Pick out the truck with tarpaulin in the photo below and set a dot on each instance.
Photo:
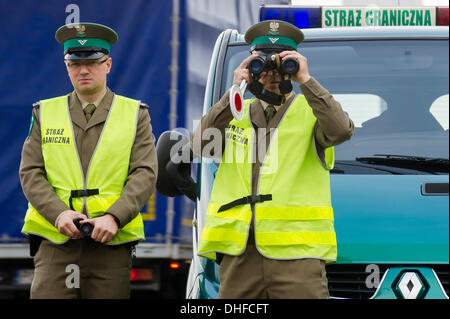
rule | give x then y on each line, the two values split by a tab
33	70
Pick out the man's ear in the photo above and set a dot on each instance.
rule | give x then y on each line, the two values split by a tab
109	65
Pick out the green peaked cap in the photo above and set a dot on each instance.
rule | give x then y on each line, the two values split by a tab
85	40
273	34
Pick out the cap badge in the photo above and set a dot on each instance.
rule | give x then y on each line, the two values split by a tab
82	42
80	30
273	40
274	28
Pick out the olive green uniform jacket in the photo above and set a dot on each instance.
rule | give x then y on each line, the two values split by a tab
250	275
142	174
333	126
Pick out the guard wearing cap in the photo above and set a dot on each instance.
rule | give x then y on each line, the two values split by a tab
269	221
89	160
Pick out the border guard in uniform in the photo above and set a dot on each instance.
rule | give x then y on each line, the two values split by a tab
89	160
269	220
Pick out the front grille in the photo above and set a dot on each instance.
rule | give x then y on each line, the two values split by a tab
442	272
349	280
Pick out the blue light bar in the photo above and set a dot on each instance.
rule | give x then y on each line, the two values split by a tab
301	17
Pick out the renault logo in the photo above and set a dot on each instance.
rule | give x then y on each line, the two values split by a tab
410	285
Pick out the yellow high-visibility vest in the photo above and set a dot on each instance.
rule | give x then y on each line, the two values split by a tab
107	172
293	214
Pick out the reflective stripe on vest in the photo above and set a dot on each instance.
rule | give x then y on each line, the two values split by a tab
298	221
107	171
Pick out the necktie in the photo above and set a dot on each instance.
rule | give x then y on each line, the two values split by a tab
269	112
88	111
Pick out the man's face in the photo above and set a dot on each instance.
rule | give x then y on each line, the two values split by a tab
89	76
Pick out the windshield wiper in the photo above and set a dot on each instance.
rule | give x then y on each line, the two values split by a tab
427	164
354	167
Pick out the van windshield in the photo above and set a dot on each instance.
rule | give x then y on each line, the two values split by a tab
395	91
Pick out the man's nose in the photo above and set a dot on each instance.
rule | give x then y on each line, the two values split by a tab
84	69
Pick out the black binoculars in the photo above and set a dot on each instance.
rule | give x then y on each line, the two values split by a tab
85	229
271	61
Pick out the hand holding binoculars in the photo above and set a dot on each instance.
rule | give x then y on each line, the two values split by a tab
265	61
272	61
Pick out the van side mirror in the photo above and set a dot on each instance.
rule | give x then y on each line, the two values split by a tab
174	166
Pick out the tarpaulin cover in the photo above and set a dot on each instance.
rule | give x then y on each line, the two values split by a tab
32	68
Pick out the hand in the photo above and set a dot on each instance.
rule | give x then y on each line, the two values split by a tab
66	226
302	75
105	228
242	73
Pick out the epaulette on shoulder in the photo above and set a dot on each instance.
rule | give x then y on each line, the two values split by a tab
36	104
143	105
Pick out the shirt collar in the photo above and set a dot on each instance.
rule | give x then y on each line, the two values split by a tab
265	104
96	102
